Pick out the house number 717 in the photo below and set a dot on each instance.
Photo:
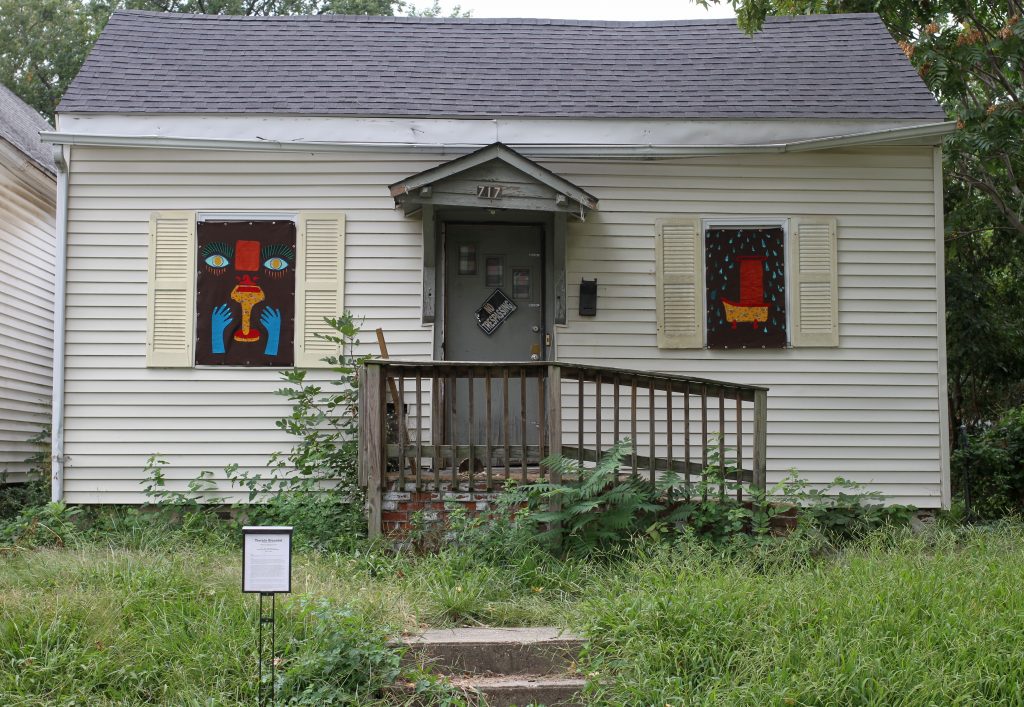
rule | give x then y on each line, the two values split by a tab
489	191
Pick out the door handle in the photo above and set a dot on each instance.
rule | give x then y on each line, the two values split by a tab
534	357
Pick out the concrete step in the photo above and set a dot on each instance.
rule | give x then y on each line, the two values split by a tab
494	651
512	690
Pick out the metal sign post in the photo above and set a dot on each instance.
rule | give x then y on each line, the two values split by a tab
267	571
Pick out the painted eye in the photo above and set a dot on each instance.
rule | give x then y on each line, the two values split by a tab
217	261
275	263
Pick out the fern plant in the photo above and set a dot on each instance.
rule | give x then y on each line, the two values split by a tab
598	511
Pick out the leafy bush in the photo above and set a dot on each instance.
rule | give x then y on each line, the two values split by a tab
314	487
35	491
989	471
598	511
340	659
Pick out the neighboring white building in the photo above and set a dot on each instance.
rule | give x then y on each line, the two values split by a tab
28	194
259	152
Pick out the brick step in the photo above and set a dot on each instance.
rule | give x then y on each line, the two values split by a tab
494	651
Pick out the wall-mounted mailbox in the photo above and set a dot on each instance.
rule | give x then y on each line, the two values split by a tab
588	298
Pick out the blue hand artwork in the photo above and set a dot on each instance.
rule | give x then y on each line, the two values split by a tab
220	320
270	318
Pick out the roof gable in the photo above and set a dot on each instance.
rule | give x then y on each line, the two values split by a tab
20	126
819	66
494	176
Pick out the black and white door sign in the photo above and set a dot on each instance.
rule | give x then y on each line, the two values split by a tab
494	312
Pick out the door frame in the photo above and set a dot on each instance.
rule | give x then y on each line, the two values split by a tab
488	217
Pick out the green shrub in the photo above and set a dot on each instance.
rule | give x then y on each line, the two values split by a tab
989	471
340	659
596	510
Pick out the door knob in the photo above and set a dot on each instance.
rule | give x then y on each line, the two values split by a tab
536	329
534	357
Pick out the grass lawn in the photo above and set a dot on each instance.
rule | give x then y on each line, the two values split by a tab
935	618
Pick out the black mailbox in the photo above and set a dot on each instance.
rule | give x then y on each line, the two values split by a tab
588	298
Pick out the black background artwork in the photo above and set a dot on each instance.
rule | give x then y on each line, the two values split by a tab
246	271
745	276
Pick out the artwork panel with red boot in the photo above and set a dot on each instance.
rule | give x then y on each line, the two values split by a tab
745	276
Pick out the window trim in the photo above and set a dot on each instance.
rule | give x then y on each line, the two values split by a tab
782	222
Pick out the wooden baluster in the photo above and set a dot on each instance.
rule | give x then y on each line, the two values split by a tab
522	419
400	416
436	427
686	437
739	446
579	416
652	430
721	442
453	429
505	417
632	423
542	424
471	468
615	424
597	414
704	439
487	421
668	430
419	430
760	439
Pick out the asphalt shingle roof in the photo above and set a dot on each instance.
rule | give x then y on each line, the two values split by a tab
823	66
20	126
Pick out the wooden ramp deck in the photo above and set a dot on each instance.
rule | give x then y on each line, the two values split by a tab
446	425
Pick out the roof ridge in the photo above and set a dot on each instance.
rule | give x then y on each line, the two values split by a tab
527	21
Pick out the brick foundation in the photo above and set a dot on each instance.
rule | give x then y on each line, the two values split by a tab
398	508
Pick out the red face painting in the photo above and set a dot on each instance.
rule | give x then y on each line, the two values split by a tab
245	295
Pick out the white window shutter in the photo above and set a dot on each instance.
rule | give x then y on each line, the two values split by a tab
815	282
320	285
679	282
170	331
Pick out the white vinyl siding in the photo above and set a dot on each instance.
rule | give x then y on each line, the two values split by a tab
26	326
866	410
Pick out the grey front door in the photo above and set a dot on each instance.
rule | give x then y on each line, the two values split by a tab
494	311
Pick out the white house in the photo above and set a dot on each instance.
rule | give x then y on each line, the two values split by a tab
762	211
28	194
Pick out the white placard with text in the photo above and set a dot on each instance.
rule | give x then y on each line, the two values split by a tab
267	559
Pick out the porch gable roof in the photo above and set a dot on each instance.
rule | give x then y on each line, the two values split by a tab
492	168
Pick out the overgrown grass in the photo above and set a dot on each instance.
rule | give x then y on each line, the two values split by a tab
129	616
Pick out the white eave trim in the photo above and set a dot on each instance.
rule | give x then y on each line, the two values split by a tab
928	134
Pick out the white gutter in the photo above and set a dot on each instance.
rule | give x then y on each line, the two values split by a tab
59	297
928	132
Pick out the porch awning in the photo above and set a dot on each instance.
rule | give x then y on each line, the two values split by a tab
493	177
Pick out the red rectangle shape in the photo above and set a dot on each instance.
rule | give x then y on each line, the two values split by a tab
247	256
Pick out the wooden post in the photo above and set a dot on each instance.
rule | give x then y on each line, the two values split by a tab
554	402
760	439
371	458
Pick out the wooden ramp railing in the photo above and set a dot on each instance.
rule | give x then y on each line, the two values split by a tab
464	426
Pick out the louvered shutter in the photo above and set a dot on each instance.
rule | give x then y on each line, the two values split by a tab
170	335
815	282
320	285
679	283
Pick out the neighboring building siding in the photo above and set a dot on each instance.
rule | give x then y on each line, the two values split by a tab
26	315
868	411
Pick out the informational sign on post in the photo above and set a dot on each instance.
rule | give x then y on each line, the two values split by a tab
267	559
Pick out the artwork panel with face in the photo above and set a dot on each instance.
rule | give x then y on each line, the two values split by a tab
745	271
245	293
